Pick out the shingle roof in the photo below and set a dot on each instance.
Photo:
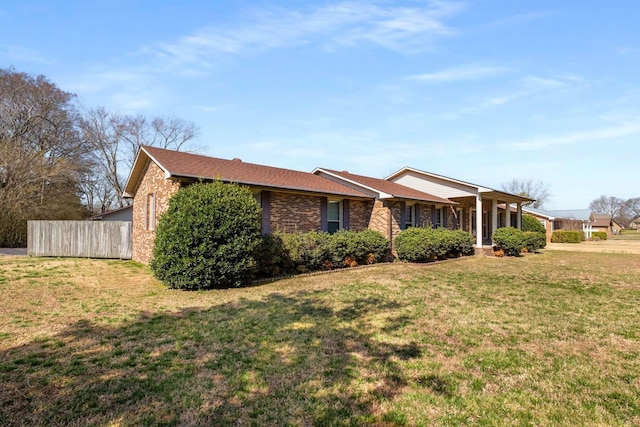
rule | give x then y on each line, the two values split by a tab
395	190
579	214
180	164
601	221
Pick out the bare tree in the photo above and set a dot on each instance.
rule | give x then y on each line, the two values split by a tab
40	153
116	140
606	205
171	133
629	211
537	190
632	207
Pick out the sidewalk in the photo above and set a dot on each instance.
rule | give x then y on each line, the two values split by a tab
13	251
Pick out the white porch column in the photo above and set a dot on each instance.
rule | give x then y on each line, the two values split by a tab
519	216
507	214
494	216
479	221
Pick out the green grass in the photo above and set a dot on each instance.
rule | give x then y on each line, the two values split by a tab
627	235
548	339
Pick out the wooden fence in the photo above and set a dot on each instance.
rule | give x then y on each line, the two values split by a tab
85	239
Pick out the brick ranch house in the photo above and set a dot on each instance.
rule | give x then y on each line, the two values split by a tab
324	200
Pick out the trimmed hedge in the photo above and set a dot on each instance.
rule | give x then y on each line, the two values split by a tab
510	240
531	223
418	244
206	238
534	240
602	235
567	236
288	253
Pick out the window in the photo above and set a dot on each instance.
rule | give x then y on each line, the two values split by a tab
485	225
151	211
459	217
438	218
410	216
334	216
258	197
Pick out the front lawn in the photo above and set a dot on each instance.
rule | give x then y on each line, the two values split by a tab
546	339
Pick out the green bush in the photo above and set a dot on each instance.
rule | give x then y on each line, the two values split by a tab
419	244
207	237
314	251
271	257
412	245
534	240
308	251
508	239
462	243
567	236
602	235
531	223
351	248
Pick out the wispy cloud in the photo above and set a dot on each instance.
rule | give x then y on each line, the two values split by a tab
23	54
467	72
332	26
524	88
600	134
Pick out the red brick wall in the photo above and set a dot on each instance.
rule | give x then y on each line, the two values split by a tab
153	181
379	219
395	211
293	212
360	213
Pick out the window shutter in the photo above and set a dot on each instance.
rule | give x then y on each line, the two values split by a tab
145	212
265	201
324	225
403	215
345	214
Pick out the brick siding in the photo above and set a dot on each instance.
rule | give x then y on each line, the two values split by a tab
293	212
153	181
360	213
379	219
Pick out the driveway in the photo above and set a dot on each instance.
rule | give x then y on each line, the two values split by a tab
620	246
13	251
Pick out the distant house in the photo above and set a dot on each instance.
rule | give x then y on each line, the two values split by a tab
586	221
121	214
605	223
545	218
635	224
323	200
571	219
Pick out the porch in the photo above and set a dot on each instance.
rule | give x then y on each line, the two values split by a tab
492	210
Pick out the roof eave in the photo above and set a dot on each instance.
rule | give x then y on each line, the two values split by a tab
272	186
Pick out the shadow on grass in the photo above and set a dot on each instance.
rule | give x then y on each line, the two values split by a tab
275	361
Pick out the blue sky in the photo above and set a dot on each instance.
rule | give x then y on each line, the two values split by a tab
481	91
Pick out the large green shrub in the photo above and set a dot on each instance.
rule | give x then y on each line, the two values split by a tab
534	240
418	244
412	245
206	237
351	248
271	257
462	243
508	239
314	251
308	251
531	223
567	236
601	235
